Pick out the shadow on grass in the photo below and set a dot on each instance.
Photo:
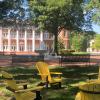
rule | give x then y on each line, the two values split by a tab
71	75
76	74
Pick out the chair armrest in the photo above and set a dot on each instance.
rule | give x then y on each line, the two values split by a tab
41	84
24	85
56	73
21	84
34	89
43	74
10	89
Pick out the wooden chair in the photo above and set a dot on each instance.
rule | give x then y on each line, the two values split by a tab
89	91
21	92
46	75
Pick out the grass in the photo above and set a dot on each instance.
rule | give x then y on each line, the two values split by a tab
81	53
72	76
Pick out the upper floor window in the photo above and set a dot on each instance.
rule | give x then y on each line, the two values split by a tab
21	35
13	35
37	35
5	30
5	34
29	35
46	35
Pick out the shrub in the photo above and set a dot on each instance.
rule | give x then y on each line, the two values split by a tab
66	51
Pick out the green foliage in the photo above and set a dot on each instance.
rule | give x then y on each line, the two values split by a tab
5	6
96	44
79	42
93	8
11	11
53	15
76	42
66	52
60	45
48	14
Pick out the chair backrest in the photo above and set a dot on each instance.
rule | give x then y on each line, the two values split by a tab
9	80
43	70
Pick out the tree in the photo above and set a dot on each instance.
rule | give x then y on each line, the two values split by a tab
76	42
5	6
11	11
96	44
53	15
79	41
60	45
92	7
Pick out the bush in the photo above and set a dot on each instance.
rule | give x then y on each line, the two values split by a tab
66	51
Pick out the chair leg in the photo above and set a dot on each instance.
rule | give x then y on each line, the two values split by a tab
59	84
38	96
56	85
47	82
25	86
13	98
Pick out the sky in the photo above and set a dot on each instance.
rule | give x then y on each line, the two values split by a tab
96	28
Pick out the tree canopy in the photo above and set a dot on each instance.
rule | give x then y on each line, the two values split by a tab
11	11
96	44
93	8
53	15
5	6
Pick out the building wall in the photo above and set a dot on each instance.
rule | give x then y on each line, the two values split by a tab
27	40
24	40
91	49
64	37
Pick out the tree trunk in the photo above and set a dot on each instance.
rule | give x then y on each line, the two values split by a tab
56	42
99	73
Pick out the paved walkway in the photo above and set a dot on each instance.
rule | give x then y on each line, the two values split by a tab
51	61
5	63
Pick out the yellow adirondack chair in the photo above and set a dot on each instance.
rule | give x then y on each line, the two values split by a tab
46	74
89	91
21	93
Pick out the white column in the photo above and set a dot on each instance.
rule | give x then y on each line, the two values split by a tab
53	43
41	36
9	39
1	39
17	40
33	40
42	45
25	40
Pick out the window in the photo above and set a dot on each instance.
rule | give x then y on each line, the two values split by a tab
21	47
29	35
13	35
46	35
37	35
29	47
5	34
13	48
21	35
5	47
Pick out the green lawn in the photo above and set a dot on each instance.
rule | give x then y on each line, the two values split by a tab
72	76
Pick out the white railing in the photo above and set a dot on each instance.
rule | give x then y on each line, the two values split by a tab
13	36
48	38
37	36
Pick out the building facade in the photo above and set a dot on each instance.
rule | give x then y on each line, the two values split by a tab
64	38
26	40
91	49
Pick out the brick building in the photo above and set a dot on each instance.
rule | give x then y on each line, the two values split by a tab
27	40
